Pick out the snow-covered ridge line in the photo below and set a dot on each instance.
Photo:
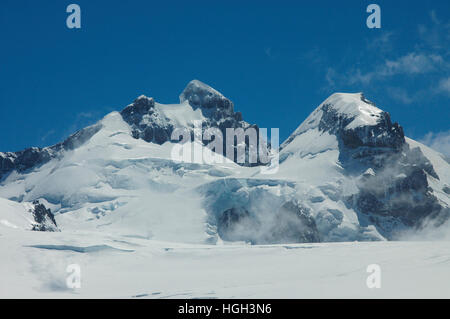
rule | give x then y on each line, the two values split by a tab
29	158
347	173
355	120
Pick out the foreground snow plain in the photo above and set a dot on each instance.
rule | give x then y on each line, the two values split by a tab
34	266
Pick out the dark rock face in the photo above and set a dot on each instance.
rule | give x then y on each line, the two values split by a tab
32	157
77	139
152	126
399	190
395	196
446	190
199	94
146	122
398	195
45	220
23	160
292	223
384	134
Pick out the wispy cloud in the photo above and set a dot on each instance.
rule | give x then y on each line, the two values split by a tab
383	42
438	141
434	17
84	115
47	135
401	95
413	63
444	85
330	77
268	52
428	59
435	35
81	120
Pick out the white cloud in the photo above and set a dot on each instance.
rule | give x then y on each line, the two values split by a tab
444	85
412	63
427	59
438	141
356	76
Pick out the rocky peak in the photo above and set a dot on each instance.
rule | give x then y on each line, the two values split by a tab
134	112
393	179
154	122
356	121
199	94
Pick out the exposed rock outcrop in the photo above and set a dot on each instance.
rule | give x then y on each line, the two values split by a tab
45	220
151	124
392	178
24	160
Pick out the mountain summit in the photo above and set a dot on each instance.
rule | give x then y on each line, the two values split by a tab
385	178
356	120
199	94
347	173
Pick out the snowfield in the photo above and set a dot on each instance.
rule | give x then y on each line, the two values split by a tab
141	224
34	266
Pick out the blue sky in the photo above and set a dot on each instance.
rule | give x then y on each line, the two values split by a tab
277	60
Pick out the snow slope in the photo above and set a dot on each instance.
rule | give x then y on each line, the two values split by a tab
15	215
142	224
351	105
117	183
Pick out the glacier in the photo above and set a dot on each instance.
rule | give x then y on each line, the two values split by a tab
347	174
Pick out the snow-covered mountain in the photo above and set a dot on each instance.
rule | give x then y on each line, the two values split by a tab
347	173
363	166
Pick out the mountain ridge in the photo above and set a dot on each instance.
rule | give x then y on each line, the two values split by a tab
346	173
